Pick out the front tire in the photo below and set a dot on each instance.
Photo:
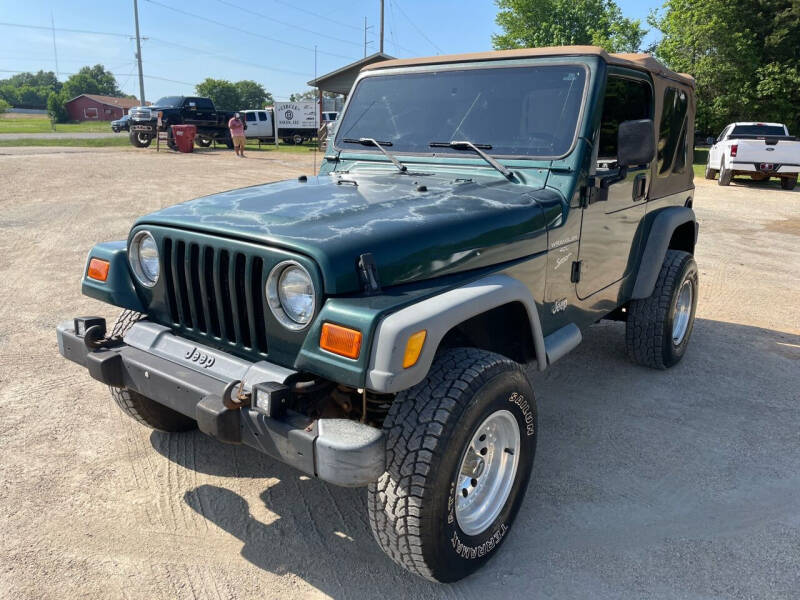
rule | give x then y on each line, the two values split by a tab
460	448
710	173
658	328
203	142
139	140
138	407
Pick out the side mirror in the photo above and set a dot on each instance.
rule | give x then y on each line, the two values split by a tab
636	144
711	141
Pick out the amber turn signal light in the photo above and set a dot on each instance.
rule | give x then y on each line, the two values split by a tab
340	340
98	269
414	348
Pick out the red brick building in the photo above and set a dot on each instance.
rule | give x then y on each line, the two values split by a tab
91	107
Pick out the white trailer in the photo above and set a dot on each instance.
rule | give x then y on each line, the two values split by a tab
291	122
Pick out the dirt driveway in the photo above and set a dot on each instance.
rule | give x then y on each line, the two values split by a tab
683	483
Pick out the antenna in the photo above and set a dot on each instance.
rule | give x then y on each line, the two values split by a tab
381	26
365	36
55	50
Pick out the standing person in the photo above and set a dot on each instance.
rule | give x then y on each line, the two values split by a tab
236	125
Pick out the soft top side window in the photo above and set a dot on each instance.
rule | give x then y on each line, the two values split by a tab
626	99
672	149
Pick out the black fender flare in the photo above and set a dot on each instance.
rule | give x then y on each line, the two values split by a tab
666	221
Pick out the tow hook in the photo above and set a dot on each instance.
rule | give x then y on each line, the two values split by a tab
233	398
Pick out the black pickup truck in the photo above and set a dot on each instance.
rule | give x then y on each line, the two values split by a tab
212	124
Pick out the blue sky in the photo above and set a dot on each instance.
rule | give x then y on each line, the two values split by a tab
269	41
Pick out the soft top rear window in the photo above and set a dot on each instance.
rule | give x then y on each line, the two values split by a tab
511	111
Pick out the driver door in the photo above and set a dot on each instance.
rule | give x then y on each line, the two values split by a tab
608	228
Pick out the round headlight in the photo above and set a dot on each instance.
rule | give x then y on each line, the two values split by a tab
290	294
143	257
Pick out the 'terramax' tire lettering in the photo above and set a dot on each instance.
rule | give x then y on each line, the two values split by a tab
471	552
520	401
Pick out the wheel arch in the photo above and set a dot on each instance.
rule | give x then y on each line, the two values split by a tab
454	315
674	227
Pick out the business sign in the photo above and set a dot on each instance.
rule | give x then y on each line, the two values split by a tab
296	115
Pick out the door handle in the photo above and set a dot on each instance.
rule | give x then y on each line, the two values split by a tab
639	187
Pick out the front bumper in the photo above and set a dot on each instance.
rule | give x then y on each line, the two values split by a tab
191	379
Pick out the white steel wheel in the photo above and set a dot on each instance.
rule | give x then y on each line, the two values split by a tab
487	472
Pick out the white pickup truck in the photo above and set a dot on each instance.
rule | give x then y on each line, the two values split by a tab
760	150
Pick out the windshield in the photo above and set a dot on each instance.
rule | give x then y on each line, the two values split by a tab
758	130
513	111
170	101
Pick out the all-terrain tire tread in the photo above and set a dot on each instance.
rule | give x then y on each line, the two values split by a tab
138	407
415	431
644	330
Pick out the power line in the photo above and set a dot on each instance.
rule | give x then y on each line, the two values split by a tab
315	14
300	27
227	58
125	35
414	25
239	29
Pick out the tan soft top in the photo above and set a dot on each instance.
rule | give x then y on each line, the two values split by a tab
643	62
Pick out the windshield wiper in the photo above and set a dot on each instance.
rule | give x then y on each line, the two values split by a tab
477	149
365	141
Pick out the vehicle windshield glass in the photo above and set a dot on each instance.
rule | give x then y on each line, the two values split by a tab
516	111
758	130
170	101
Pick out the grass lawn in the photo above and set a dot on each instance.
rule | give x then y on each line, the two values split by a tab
79	143
700	160
39	124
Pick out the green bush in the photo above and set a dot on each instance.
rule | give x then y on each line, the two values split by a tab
56	107
4	106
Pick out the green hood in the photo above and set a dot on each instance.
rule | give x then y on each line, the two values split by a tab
413	234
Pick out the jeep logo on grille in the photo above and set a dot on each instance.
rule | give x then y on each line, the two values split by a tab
201	358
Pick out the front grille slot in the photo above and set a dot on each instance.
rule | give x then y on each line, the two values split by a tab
216	293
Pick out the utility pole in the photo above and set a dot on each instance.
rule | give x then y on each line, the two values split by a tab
139	52
381	26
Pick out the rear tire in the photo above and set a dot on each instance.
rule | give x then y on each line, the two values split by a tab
658	328
725	175
203	142
139	140
788	183
229	142
138	407
297	139
439	458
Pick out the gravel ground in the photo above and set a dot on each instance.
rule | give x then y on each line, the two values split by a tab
647	484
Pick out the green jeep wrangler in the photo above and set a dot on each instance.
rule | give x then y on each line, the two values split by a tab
375	325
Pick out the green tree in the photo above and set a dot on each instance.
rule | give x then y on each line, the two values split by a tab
56	108
743	54
537	23
307	96
222	92
92	80
29	90
4	106
252	95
